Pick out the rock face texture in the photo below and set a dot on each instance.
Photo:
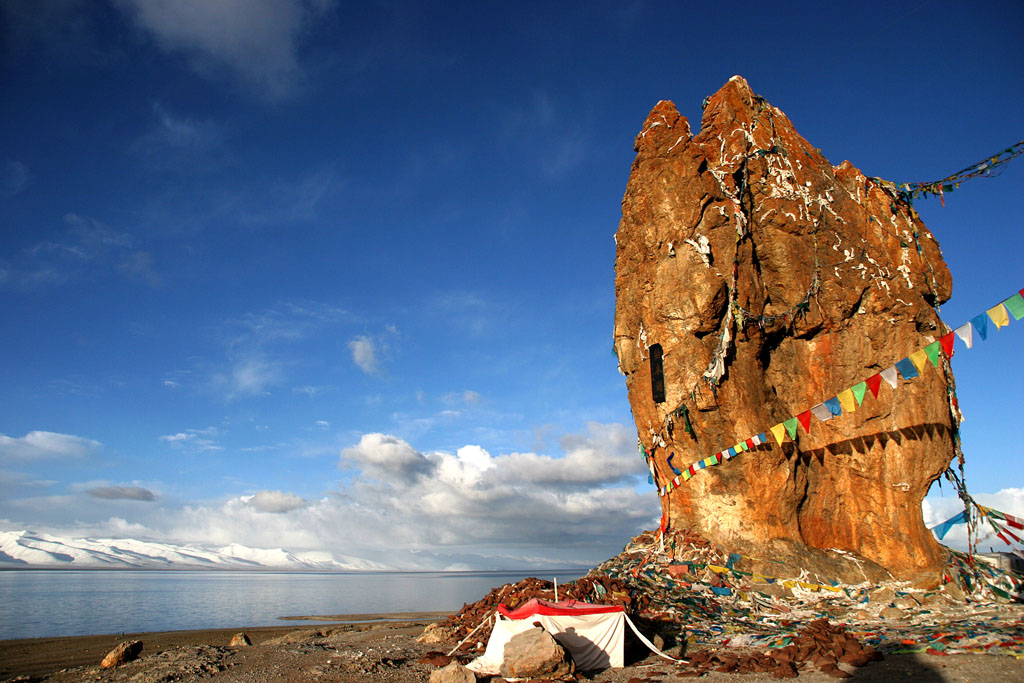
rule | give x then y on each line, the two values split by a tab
762	281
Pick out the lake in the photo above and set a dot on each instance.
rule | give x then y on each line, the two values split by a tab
39	603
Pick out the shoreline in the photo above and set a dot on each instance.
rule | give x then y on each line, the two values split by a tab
47	655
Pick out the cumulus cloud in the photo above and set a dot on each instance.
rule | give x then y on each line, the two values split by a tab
364	354
122	493
274	501
39	444
387	458
255	40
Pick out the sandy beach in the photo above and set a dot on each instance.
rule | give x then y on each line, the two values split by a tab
368	649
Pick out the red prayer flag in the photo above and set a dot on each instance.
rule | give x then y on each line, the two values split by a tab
947	344
750	443
805	420
1014	522
873	382
1004	539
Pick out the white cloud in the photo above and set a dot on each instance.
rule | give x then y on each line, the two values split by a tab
274	501
387	458
201	440
364	354
122	493
256	40
39	444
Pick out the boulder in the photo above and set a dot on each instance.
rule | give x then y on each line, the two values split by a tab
435	633
240	640
122	654
535	654
754	280
453	673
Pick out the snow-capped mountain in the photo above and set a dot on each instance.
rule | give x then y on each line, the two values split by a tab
29	549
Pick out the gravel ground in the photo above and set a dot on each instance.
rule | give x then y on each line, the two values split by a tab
378	651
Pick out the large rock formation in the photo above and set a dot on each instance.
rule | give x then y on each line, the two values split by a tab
769	281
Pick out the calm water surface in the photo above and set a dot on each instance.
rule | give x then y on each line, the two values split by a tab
67	603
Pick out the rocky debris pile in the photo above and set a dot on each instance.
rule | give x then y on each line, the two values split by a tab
240	640
819	644
697	595
594	588
122	654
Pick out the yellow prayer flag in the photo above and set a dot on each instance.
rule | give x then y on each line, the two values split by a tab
716	569
999	315
919	358
847	401
779	432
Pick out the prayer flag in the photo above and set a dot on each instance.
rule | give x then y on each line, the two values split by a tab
686	475
750	443
873	382
906	368
790	426
834	407
779	432
1014	522
859	390
741	446
998	315
919	358
980	323
964	332
805	420
932	351
692	469
889	375
718	458
1004	539
822	412
946	341
762	437
847	401
941	529
1015	304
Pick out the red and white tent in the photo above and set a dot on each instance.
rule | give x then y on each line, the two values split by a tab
593	635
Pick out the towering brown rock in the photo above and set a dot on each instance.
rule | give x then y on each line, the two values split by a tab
770	281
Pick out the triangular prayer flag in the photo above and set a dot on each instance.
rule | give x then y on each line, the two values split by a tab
718	458
1015	304
889	375
822	412
873	382
859	390
932	351
941	529
847	401
998	315
834	407
919	358
779	432
980	323
964	332
805	420
906	368
946	341
790	426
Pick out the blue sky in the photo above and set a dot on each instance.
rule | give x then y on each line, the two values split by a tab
339	275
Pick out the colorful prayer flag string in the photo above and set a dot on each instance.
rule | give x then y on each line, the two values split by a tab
848	400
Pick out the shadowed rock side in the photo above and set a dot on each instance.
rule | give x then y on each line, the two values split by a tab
771	281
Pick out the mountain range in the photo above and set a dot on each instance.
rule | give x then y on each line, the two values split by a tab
28	549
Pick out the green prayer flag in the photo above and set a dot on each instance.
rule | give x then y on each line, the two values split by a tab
933	350
1015	305
791	427
859	390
